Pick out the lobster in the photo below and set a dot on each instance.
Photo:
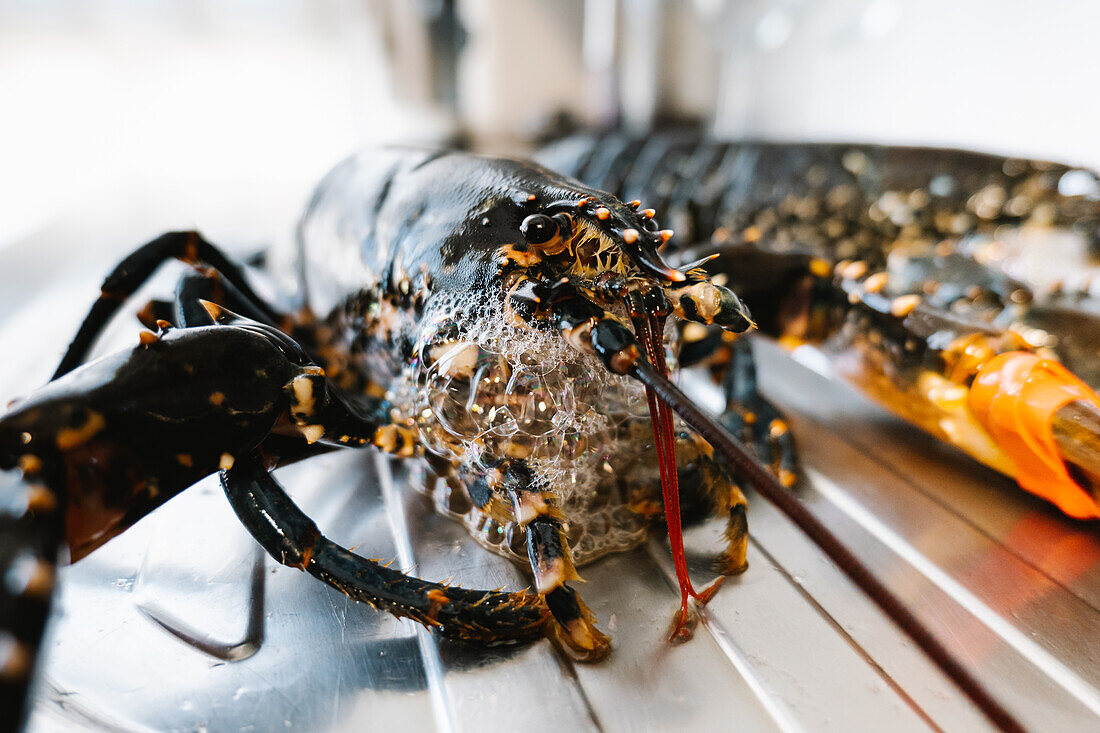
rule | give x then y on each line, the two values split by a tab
908	266
446	245
506	322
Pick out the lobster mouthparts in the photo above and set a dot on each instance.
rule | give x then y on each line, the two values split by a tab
649	329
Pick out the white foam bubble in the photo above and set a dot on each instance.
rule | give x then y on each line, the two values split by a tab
530	394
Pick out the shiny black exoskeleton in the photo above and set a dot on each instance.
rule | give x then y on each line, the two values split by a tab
406	260
225	381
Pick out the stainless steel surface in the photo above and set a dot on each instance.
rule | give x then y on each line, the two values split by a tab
181	624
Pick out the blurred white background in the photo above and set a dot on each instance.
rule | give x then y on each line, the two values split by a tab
994	75
222	113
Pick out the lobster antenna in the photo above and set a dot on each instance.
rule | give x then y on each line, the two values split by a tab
740	458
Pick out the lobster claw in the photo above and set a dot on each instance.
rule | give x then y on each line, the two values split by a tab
125	433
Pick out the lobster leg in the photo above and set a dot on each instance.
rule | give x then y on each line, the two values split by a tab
133	271
552	565
293	539
755	420
548	552
710	487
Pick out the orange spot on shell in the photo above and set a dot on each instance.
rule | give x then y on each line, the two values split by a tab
41	499
1015	396
68	438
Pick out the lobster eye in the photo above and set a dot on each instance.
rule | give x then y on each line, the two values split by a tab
538	229
650	225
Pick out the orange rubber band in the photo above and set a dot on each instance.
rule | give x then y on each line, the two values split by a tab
1015	396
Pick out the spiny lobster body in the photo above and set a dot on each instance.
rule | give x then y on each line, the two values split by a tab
509	324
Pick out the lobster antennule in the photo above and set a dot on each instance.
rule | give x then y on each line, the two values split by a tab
748	466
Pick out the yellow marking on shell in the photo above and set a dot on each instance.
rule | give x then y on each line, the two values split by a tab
185	459
854	270
213	309
455	358
778	428
875	283
706	297
68	438
226	461
528	505
694	332
820	268
517	449
40	499
396	440
302	392
312	433
550	576
216	398
580	336
904	305
584	634
30	464
532	256
622	360
438	599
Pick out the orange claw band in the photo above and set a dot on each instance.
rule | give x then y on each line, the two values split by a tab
1015	396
